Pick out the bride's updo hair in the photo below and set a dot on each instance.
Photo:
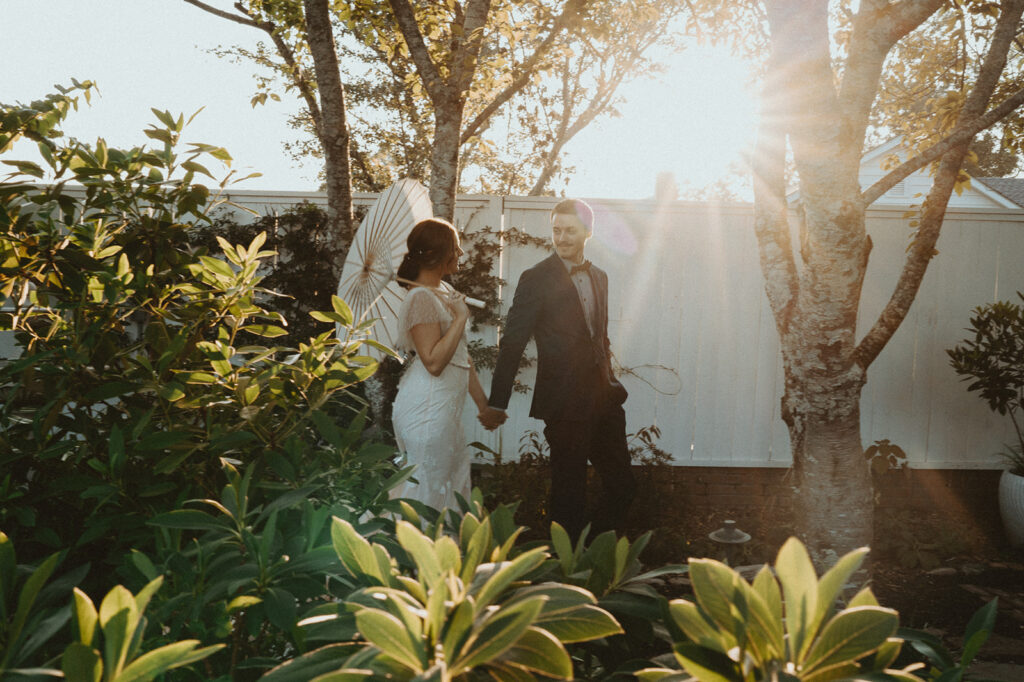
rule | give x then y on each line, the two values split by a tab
430	243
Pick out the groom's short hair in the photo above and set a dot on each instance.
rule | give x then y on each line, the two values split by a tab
578	208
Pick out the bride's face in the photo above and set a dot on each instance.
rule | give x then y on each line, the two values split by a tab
453	261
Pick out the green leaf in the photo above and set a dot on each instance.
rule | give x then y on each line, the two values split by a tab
540	651
563	549
850	635
158	661
144	565
688	617
342	309
85	617
498	577
242	602
421	550
108	391
171	391
189	519
706	665
269	331
581	624
161	440
355	552
27	597
118	629
389	635
800	591
81	663
279	605
324	660
457	630
833	582
978	630
217	266
198	377
115	450
715	589
321	316
496	634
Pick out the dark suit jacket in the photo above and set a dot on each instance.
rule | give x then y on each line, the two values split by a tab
574	377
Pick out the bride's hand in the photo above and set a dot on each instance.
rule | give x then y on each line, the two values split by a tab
457	303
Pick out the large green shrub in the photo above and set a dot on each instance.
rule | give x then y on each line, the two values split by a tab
144	361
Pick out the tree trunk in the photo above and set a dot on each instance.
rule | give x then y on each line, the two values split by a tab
815	302
333	129
444	157
834	498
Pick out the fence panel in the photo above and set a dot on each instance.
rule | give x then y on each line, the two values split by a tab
692	330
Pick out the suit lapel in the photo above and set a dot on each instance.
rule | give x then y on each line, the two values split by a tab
601	299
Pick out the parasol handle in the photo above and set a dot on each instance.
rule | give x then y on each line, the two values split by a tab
474	302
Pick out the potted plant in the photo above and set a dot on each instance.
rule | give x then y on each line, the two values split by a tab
994	360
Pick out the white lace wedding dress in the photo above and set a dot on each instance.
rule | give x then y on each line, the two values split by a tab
427	413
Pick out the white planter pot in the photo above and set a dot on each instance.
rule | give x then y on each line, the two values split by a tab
1011	507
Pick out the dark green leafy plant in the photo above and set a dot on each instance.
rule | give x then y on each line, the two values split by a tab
469	609
109	640
944	665
883	455
26	625
785	625
610	568
142	362
994	363
247	573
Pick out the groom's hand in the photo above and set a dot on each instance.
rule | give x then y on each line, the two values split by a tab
492	417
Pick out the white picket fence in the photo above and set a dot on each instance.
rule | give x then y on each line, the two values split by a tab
691	328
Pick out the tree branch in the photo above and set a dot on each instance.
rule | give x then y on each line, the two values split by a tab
571	9
295	72
466	47
243	20
957	137
771	221
437	87
876	29
934	209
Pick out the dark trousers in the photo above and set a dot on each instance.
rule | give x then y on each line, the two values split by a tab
601	440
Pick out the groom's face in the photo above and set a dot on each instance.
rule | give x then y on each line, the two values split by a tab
569	236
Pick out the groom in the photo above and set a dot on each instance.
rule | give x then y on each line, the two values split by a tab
562	302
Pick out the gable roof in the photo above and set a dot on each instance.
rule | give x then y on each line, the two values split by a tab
1010	188
980	194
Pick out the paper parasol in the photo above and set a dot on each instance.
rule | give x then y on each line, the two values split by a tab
367	281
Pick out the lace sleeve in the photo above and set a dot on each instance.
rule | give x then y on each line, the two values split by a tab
419	307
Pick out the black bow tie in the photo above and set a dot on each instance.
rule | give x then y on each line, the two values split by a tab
582	267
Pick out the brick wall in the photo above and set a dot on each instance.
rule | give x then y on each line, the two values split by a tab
684	504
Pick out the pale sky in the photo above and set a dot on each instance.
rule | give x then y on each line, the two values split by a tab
155	53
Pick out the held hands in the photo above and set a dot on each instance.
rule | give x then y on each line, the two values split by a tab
492	417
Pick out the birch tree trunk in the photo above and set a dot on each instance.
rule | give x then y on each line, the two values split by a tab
444	156
814	288
332	125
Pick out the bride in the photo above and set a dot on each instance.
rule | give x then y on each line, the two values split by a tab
427	413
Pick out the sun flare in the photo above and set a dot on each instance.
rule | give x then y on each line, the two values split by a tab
697	120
